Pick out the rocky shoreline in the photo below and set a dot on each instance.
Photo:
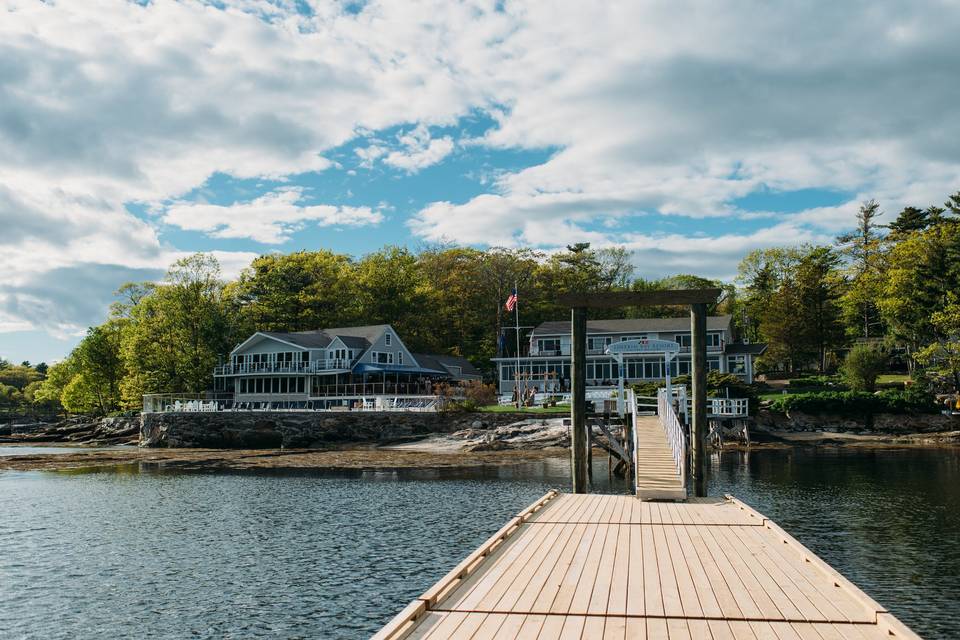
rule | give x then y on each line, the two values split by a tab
456	440
80	430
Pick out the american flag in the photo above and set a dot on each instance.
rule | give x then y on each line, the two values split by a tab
512	301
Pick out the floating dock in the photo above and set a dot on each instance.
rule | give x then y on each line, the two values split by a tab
615	567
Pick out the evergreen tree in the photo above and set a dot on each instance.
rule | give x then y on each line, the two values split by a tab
863	251
910	219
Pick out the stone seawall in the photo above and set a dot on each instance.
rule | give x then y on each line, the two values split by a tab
883	423
307	429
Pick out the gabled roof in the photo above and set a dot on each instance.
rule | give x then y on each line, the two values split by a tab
632	325
369	332
354	342
442	362
305	339
353	337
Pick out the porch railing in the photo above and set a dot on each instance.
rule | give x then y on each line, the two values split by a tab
384	388
204	403
313	366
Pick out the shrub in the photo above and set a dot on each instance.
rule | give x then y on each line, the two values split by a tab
475	395
857	403
862	366
822	381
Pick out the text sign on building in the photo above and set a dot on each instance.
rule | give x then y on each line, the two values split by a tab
642	346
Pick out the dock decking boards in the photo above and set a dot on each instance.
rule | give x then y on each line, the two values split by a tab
657	476
605	566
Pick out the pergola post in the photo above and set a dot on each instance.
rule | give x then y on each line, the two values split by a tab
578	399
698	425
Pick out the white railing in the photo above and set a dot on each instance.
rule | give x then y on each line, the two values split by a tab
631	404
729	407
313	366
203	403
674	432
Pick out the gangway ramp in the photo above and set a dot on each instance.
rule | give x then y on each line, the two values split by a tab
657	475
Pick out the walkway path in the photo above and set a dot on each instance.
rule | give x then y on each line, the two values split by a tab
657	475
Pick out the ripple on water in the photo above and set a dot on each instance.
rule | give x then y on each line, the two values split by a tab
160	555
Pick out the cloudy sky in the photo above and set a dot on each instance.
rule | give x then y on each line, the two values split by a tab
691	132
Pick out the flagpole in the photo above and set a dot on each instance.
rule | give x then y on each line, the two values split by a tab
516	308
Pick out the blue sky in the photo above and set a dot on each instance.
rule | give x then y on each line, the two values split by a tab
134	133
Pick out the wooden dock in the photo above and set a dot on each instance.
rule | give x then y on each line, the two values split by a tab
615	567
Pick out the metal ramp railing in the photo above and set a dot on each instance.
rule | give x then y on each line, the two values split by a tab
674	431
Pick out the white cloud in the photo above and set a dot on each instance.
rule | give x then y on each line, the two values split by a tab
270	219
419	150
664	107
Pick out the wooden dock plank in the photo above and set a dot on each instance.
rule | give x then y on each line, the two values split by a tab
615	568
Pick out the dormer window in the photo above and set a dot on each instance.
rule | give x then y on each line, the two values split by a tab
387	338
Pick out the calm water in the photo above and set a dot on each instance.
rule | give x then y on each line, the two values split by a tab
155	555
33	451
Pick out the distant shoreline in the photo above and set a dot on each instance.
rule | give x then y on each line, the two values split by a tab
354	458
419	456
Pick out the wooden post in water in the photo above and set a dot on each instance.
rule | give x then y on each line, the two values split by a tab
698	424
578	400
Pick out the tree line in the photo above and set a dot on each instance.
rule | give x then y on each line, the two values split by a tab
893	287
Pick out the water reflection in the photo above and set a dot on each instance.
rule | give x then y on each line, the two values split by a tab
142	552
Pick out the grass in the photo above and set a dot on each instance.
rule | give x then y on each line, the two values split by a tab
770	396
893	378
495	408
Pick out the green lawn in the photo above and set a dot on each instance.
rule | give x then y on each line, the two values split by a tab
495	408
893	378
771	396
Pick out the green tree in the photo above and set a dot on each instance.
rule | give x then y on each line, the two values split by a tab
865	268
862	366
909	220
942	356
760	276
501	270
58	377
819	287
924	269
19	376
391	290
301	291
101	368
175	333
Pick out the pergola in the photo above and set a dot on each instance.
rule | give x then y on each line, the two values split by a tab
697	301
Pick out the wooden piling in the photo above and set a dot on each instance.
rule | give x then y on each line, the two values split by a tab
699	429
578	400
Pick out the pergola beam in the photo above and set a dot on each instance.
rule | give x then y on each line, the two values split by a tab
697	300
613	299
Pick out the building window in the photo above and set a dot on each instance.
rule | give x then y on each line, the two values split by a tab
737	364
713	340
598	343
383	357
399	357
386	338
549	344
